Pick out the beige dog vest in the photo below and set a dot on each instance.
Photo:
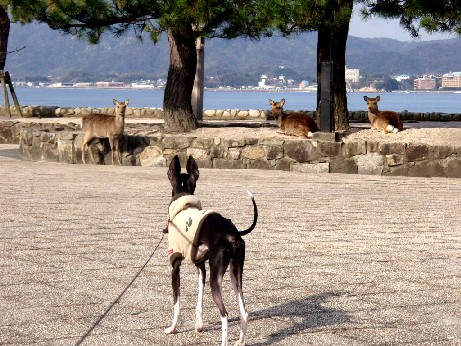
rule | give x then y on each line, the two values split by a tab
185	220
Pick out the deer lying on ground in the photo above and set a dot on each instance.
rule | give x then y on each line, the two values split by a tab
294	124
105	126
384	121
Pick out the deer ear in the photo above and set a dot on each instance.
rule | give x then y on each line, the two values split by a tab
282	102
127	101
271	102
115	101
174	170
192	168
378	98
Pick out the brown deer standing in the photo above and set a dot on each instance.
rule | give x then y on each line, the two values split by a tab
105	126
384	121
294	124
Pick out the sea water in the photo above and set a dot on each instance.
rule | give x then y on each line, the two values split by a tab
444	102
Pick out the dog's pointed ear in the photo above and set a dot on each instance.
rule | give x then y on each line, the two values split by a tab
192	168
174	171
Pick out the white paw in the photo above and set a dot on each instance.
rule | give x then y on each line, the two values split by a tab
199	327
171	330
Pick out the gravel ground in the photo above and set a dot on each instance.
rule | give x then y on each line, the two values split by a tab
446	134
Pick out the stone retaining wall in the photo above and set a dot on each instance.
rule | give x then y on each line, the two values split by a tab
63	144
227	114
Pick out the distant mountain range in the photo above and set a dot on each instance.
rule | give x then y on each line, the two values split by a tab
63	57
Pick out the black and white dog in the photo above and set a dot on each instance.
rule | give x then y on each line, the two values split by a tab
207	235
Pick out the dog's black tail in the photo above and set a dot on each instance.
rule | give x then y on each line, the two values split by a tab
255	217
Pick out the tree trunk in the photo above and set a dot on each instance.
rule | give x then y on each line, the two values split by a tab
4	33
177	106
331	45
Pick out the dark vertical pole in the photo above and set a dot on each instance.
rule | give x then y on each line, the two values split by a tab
13	93
326	114
5	94
197	91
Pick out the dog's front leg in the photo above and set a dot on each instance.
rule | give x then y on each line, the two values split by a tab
201	273
175	281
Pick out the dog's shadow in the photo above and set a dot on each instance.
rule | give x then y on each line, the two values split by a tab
303	314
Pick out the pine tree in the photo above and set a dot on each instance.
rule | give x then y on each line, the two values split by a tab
182	20
330	18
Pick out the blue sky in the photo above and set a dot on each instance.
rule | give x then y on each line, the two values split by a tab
388	28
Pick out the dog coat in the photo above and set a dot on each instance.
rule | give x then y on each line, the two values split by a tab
185	220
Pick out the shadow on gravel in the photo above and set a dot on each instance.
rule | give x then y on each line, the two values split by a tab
304	315
11	153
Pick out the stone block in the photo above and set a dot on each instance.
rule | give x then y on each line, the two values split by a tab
228	164
253	113
234	153
50	152
371	164
301	150
253	153
453	168
391	148
251	141
259	164
66	151
355	148
426	169
326	136
197	153
401	170
205	162
242	114
203	142
271	141
340	165
416	152
177	142
209	113
394	160
65	135
48	137
152	156
441	151
283	164
330	148
458	151
323	167
229	143
216	151
372	146
273	152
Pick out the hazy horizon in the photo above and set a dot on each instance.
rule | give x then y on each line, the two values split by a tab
378	28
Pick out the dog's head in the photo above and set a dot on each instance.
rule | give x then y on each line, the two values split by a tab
183	182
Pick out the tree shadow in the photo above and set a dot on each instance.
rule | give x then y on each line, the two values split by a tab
304	314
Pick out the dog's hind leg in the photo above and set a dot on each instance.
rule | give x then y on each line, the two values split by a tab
236	273
175	281
201	273
218	265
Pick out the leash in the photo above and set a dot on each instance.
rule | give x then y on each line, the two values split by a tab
120	295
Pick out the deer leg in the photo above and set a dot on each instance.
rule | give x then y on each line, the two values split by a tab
117	149
85	142
111	142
